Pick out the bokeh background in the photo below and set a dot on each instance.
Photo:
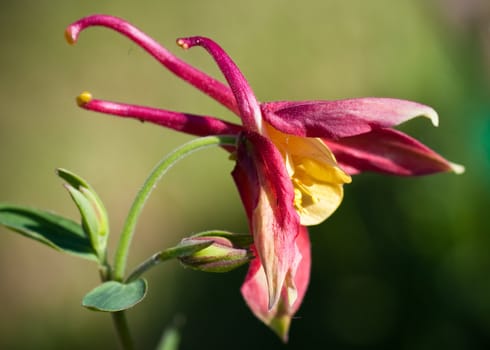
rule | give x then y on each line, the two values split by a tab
403	264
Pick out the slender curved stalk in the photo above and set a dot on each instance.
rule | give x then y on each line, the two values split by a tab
167	254
150	183
153	260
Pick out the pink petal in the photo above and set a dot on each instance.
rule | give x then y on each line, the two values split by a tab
254	289
342	118
388	151
267	193
301	271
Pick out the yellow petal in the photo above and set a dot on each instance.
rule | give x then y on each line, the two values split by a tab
317	179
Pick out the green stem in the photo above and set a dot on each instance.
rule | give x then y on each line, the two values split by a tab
164	255
121	324
153	260
150	183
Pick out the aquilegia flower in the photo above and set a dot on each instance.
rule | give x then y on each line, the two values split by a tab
292	159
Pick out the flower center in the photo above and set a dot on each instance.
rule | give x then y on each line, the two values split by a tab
303	196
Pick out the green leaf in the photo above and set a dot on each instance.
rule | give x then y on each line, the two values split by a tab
73	179
89	218
51	229
91	207
113	296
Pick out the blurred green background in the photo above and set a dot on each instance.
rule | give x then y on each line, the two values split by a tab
403	264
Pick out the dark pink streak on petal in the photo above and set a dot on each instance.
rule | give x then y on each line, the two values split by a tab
273	174
341	118
195	77
247	103
387	151
268	196
187	123
246	179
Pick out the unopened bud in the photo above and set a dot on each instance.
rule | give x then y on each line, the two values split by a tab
221	256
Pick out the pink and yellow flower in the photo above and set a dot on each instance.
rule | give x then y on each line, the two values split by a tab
292	160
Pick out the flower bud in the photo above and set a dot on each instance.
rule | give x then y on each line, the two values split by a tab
220	256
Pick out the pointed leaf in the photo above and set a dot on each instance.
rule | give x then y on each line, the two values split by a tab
88	191
115	296
73	179
101	220
92	210
89	219
53	230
